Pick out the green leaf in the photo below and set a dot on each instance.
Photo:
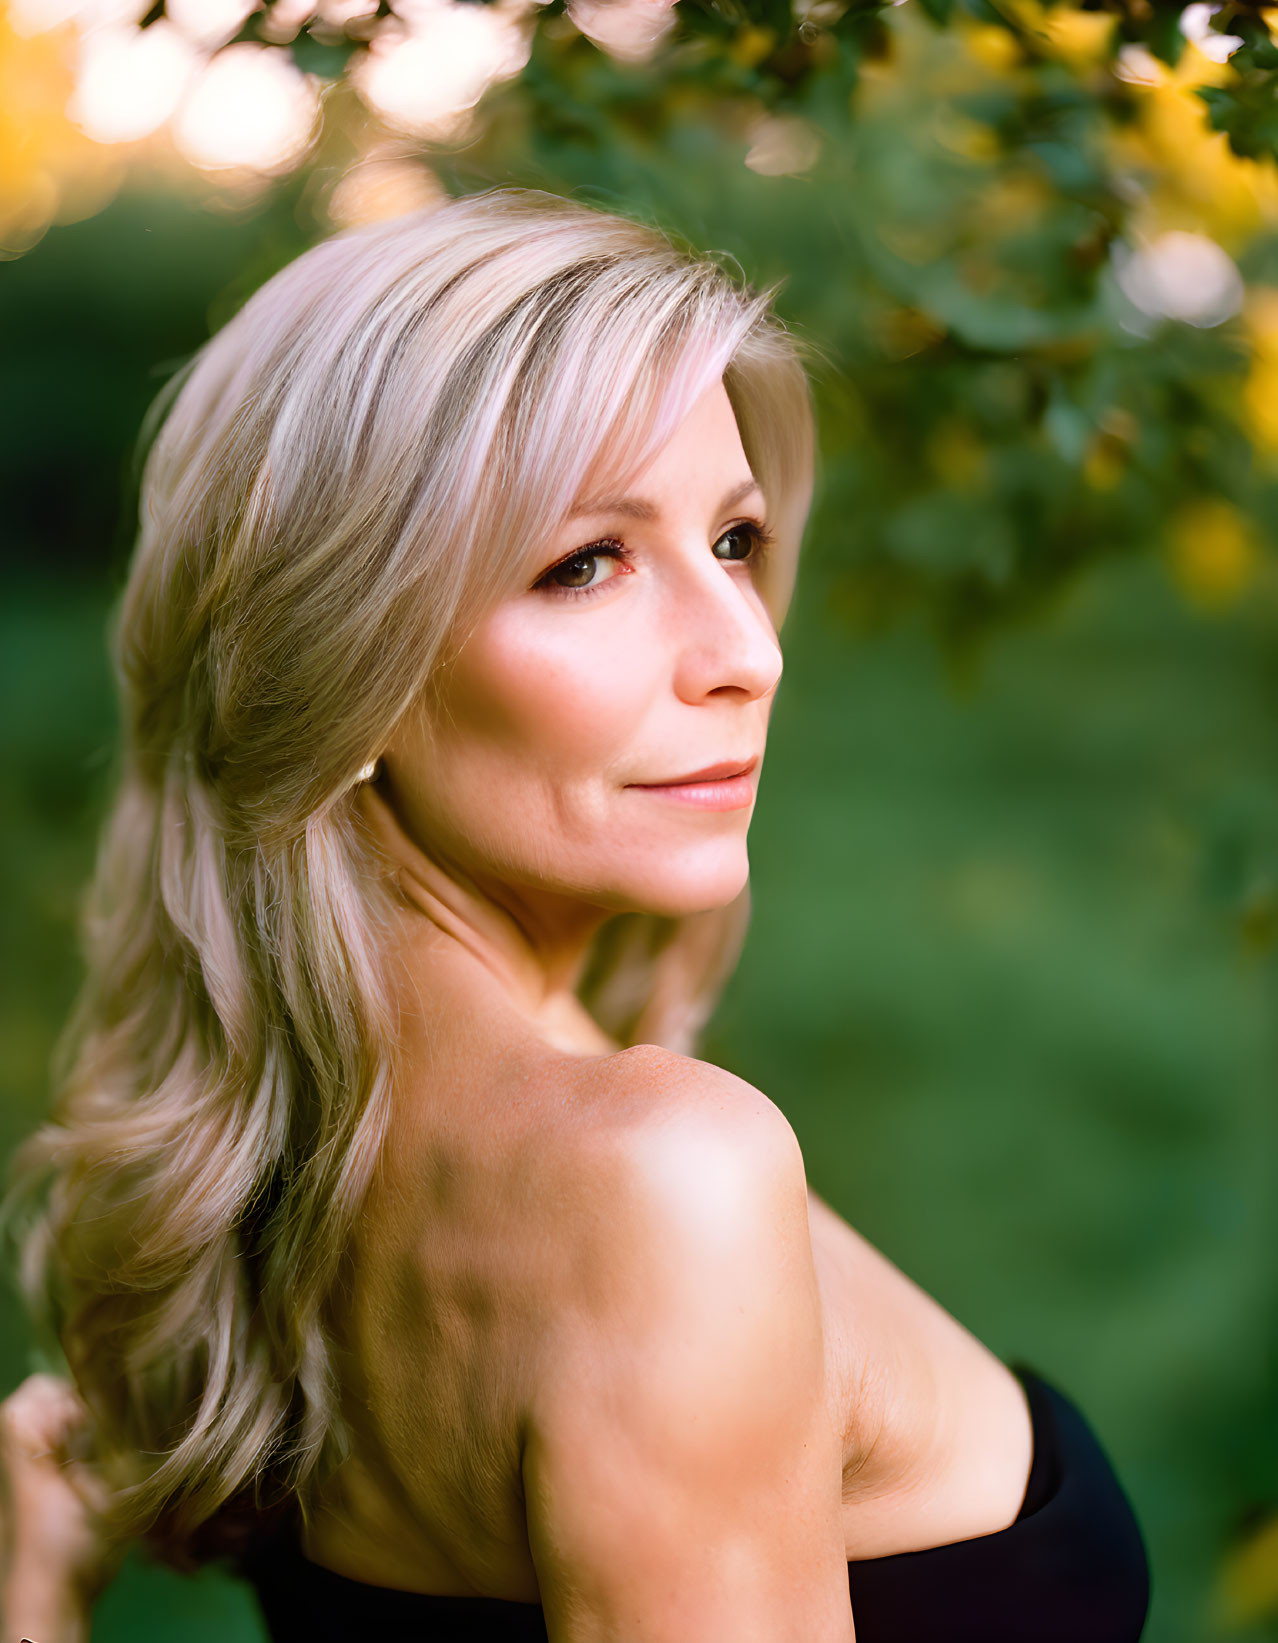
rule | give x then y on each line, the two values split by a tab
1068	428
1163	36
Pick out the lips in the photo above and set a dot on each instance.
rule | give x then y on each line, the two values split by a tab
710	773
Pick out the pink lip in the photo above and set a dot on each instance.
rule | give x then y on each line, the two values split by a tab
710	773
718	787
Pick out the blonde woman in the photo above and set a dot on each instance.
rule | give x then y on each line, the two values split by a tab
400	1247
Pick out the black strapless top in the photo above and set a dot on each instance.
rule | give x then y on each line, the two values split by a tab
1072	1567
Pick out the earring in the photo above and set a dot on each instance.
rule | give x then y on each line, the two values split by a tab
368	772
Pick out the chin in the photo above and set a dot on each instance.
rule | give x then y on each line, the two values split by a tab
677	889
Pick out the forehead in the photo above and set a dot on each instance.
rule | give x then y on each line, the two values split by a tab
705	437
640	507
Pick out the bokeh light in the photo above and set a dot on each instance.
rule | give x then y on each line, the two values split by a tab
630	30
1180	276
382	185
33	16
1195	25
251	108
782	145
209	23
130	80
426	74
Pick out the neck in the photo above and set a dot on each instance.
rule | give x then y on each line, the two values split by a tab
532	944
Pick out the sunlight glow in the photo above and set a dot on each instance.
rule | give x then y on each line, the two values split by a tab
1195	25
129	81
381	186
338	13
286	18
252	107
627	29
209	23
34	16
425	79
1138	66
1180	276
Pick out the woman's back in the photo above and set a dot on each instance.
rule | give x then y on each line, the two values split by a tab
508	1280
461	1262
492	1220
494	1212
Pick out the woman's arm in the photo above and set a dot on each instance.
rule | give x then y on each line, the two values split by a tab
682	1473
54	1557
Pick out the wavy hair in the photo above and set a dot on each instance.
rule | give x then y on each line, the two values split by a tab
373	451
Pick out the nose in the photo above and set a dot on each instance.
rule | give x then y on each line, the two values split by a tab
722	637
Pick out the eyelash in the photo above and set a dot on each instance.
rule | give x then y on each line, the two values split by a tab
610	547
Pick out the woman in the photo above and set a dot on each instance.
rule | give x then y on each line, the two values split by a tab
399	1245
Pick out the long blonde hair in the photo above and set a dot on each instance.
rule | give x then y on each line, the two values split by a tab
364	459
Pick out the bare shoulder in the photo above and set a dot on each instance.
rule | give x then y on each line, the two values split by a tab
656	1104
681	1475
686	1164
697	1231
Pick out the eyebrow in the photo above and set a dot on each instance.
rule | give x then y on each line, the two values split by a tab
635	507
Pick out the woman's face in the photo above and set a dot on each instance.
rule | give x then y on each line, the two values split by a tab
643	653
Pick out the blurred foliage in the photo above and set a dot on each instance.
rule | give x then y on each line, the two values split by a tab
1013	966
953	192
777	46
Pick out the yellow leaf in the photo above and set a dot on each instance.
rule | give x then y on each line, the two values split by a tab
1104	463
1212	553
992	46
1248	1587
1079	37
751	44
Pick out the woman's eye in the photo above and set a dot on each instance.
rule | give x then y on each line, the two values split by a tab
579	571
752	539
577	575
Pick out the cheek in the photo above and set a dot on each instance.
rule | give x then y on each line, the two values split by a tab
551	695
